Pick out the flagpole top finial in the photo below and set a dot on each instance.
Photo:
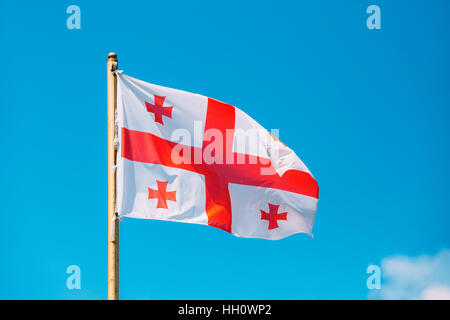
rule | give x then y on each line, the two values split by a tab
112	55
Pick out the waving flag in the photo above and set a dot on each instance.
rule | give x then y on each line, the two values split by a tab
189	158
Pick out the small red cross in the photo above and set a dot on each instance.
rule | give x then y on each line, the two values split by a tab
161	194
273	216
159	110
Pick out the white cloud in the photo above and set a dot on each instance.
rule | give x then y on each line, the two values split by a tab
422	277
436	293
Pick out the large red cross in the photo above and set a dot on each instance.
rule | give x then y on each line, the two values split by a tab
148	148
161	194
159	109
273	216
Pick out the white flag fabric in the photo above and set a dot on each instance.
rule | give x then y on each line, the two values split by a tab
189	158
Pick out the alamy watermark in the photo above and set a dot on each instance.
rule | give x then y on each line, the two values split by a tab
374	280
74	20
374	20
254	146
74	280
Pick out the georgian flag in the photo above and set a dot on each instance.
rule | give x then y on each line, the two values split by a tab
189	158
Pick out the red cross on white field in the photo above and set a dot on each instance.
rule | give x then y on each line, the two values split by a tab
161	194
148	148
273	216
159	109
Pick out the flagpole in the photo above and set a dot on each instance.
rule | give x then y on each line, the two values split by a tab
113	225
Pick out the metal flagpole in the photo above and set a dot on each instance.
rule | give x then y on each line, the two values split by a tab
113	224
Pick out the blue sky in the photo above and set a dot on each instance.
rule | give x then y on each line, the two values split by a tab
366	110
